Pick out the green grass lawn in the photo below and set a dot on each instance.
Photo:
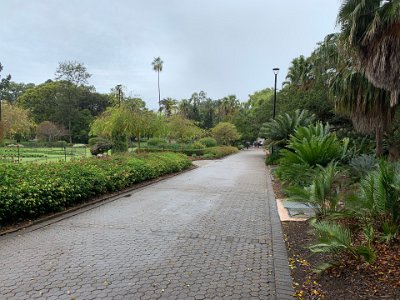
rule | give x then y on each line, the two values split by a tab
41	155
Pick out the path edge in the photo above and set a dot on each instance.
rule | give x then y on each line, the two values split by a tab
283	279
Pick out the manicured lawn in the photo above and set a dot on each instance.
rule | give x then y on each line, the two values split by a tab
41	155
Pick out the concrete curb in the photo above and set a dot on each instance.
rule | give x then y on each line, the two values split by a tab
283	279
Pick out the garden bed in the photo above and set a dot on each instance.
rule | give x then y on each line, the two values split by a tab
351	279
29	191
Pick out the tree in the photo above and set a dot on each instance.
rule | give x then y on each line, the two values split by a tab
299	72
168	105
182	129
16	121
128	120
49	131
42	101
15	90
158	66
225	133
4	83
72	75
370	28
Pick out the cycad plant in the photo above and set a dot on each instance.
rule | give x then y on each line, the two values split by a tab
324	192
335	238
378	201
277	132
308	148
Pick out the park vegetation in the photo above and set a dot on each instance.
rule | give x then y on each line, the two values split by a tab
28	191
344	139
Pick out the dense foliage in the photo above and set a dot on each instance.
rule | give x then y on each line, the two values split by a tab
30	190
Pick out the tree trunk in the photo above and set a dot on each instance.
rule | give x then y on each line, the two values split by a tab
394	153
70	132
379	141
139	143
159	94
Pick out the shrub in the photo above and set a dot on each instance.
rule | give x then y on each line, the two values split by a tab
277	132
30	190
378	200
218	152
324	192
309	147
363	164
225	133
99	145
208	142
157	142
197	145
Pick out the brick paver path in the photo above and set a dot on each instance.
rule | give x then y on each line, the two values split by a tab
208	233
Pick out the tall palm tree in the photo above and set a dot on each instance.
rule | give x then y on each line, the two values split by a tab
372	29
158	66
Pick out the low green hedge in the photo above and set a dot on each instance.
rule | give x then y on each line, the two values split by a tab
212	152
221	151
30	190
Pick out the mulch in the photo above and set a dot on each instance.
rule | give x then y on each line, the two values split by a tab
350	278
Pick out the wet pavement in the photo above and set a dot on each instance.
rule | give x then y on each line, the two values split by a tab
213	232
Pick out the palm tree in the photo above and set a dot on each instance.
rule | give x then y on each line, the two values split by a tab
367	106
299	72
169	105
371	28
184	108
158	66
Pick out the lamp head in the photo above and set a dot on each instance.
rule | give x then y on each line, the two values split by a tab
276	70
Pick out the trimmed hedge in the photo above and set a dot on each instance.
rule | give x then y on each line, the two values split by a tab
213	152
30	190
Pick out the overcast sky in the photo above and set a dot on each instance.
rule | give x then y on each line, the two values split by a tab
220	46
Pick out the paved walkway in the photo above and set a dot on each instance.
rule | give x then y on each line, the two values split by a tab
209	233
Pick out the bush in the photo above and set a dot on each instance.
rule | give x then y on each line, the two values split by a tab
157	142
30	190
197	145
308	148
99	145
208	142
277	132
218	152
363	164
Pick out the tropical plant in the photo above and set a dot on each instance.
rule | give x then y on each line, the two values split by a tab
277	132
314	145
308	148
363	164
324	192
370	28
158	67
378	200
169	106
334	238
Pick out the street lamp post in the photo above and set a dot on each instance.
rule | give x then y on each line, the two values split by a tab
276	71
